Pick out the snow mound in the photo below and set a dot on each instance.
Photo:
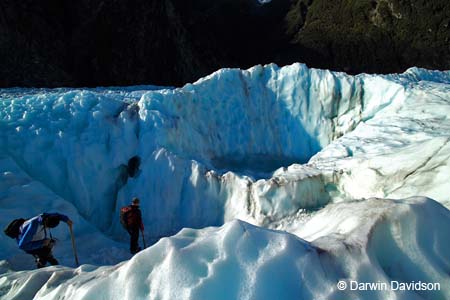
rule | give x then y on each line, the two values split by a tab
381	240
375	240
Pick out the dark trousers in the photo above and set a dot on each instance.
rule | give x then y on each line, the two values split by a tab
42	256
134	238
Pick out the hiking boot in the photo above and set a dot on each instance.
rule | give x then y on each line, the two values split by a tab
52	261
136	250
39	264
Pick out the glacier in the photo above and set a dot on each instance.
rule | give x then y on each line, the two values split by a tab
242	175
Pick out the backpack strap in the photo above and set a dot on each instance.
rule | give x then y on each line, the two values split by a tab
49	231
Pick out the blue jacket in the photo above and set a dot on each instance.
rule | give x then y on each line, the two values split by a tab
33	233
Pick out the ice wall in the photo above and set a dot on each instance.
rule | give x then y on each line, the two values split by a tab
261	115
401	151
72	142
171	148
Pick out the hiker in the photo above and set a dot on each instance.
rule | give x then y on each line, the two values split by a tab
131	219
35	238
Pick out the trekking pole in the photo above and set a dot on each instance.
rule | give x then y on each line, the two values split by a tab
73	246
143	239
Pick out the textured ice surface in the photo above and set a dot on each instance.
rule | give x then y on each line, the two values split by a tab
270	146
97	148
375	240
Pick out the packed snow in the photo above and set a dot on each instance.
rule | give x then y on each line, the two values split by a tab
271	167
375	240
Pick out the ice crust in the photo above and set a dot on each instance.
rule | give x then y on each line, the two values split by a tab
283	148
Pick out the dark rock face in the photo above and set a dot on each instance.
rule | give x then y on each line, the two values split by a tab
91	43
171	42
371	35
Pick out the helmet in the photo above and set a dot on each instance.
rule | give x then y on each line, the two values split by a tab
135	201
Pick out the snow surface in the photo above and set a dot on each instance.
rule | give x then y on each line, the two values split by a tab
269	146
374	240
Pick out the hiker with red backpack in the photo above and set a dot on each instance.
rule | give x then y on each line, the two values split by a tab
34	237
131	219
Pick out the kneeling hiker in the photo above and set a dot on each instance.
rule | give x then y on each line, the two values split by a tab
131	219
34	236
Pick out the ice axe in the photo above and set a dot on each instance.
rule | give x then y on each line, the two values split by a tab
73	245
143	239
